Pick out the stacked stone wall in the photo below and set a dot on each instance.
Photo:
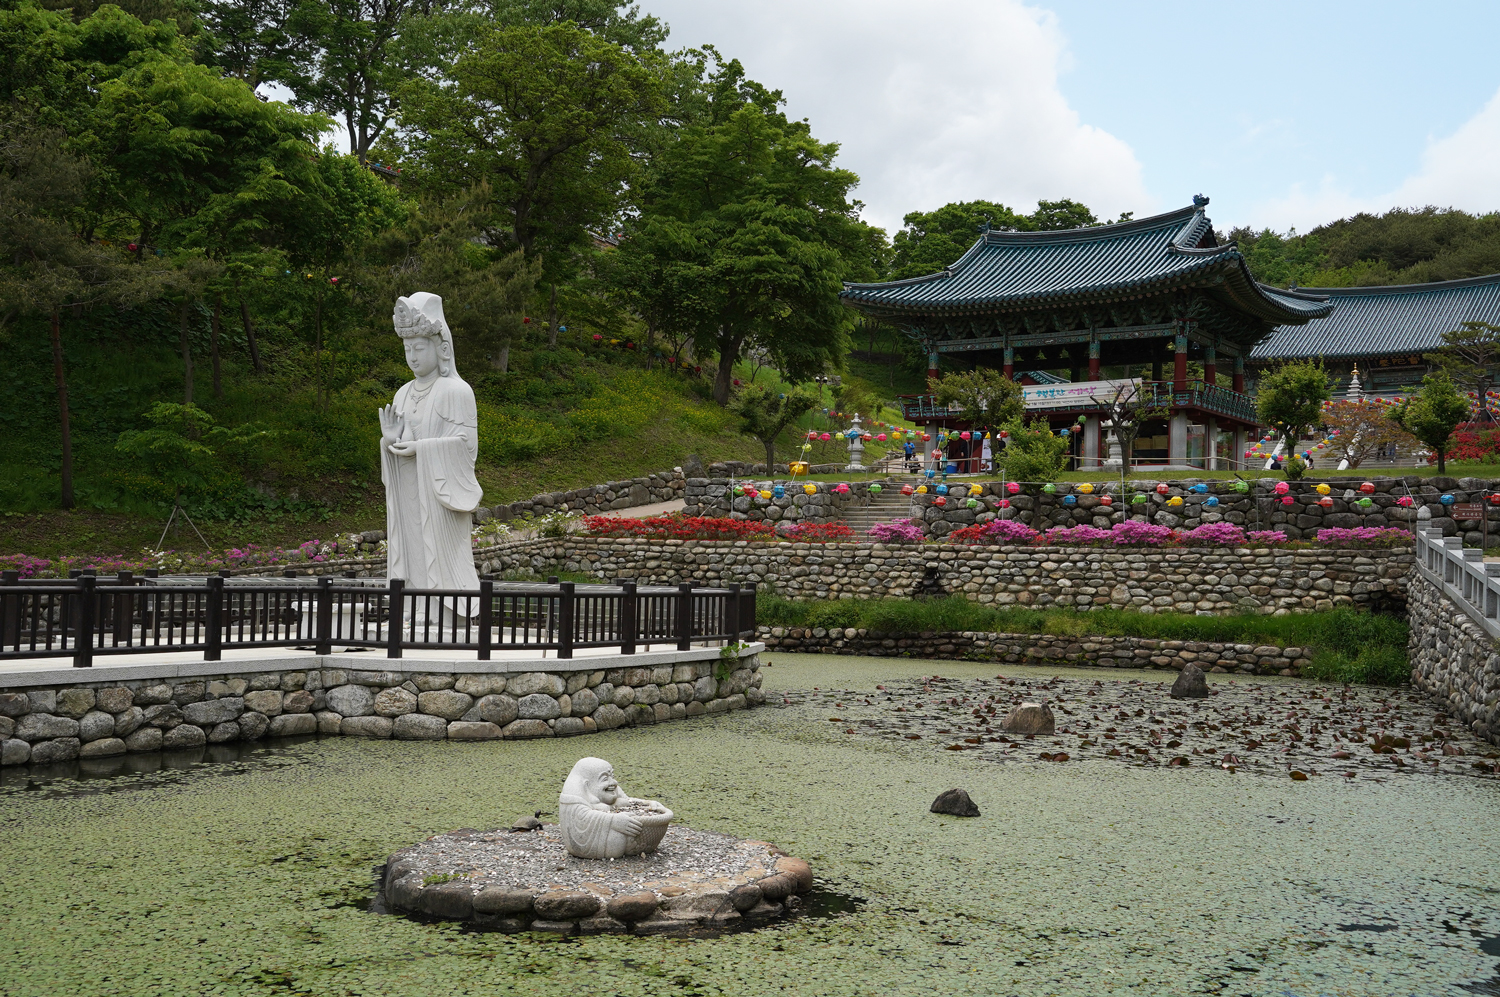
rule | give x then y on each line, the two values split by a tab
1218	580
1258	509
717	498
62	721
1454	660
1041	649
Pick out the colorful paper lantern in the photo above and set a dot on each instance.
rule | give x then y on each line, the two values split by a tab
1137	500
1287	500
1062	432
1106	501
942	489
1014	487
765	493
1005	503
1323	489
907	490
1161	489
810	489
779	491
964	435
976	490
1495	498
1447	500
1405	501
1326	502
1242	486
930	473
1049	489
826	437
875	488
925	437
940	500
1366	502
921	489
1086	488
1070	500
881	437
1368	488
1282	488
1211	501
973	503
842	489
1175	501
1200	488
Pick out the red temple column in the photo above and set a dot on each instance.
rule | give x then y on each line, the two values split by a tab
1179	371
1211	366
1239	374
1094	360
932	364
1010	363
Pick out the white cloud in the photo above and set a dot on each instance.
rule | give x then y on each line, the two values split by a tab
930	102
1456	171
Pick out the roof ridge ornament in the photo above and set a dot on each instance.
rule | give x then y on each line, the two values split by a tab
1200	201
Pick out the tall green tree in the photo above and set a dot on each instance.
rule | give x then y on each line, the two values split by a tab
931	240
1433	414
1469	353
541	115
1290	399
750	223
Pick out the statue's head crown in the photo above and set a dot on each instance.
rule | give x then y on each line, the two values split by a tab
421	315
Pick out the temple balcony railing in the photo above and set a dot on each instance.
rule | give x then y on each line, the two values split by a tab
1196	394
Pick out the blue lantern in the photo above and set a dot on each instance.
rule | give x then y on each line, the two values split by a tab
1070	500
1062	432
1211	501
1447	500
1200	488
942	489
930	473
779	491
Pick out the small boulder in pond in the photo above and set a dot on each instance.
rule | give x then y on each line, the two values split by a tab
1030	718
955	802
1190	684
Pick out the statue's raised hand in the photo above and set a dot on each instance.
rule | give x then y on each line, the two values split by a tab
390	423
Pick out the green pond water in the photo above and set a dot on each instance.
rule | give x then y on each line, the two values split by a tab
253	876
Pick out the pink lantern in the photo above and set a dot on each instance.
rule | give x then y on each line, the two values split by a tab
1287	500
1014	487
964	435
1282	488
1404	501
1005	503
825	437
881	437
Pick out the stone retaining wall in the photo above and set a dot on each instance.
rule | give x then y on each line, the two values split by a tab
1453	659
712	497
1041	649
1219	580
1258	509
97	717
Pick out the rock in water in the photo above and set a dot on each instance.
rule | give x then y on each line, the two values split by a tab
1190	684
1030	718
955	802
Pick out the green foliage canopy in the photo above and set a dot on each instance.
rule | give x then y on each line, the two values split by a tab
1290	399
1433	414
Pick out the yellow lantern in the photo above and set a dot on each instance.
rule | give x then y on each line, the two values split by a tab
765	493
976	490
921	489
1323	489
799	467
1086	489
1175	500
810	489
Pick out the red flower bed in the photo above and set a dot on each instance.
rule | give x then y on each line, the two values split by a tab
678	528
1481	446
822	532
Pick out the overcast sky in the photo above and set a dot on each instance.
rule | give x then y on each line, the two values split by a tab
1286	114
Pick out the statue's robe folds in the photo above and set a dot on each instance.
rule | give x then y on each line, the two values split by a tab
586	828
430	497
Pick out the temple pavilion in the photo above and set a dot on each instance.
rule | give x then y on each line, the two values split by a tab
1144	298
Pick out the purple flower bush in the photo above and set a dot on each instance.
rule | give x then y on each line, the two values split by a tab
1266	538
900	531
1133	533
1365	536
1214	535
1079	536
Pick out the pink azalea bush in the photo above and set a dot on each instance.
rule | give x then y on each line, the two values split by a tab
900	531
1133	533
1364	536
1213	535
1266	538
1078	536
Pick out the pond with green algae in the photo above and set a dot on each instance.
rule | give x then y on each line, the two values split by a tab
254	875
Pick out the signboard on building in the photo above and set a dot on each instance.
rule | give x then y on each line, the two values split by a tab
1074	394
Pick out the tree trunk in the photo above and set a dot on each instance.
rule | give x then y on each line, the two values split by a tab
62	411
1442	469
249	332
502	357
187	355
770	457
552	318
214	345
723	377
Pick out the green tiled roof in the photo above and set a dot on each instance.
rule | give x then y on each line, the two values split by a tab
1400	318
1015	271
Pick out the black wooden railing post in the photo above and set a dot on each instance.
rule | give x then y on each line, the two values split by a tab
10	613
324	641
83	619
486	608
123	606
565	605
732	614
630	611
213	620
684	616
395	615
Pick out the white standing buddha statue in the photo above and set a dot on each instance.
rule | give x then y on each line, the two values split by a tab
429	437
